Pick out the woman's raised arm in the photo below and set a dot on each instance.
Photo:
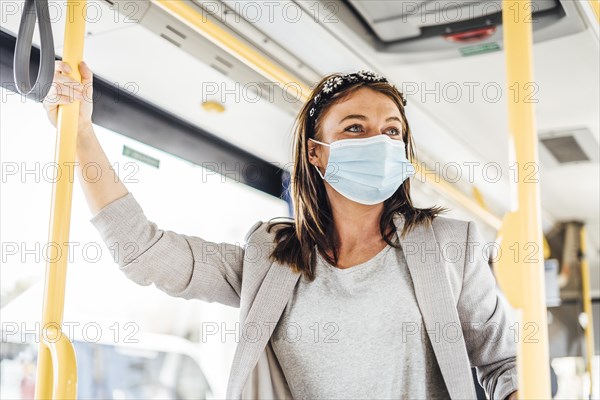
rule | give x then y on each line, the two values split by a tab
181	265
98	191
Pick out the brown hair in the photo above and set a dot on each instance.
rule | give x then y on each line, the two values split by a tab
313	221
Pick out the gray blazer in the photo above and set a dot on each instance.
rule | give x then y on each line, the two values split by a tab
466	317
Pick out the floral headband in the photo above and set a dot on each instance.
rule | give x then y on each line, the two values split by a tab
338	82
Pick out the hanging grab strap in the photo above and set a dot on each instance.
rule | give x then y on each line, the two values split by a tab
32	10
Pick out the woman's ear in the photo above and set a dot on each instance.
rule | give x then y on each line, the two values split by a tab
313	156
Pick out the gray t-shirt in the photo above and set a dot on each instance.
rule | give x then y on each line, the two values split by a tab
357	333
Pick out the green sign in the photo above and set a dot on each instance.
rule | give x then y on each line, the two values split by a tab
140	156
479	49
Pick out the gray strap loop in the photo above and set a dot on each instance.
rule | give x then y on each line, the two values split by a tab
43	82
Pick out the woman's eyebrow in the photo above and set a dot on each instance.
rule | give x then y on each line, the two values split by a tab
362	117
357	116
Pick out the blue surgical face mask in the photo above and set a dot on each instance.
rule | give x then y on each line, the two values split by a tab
367	171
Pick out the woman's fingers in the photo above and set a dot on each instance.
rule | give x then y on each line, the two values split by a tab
87	80
62	99
62	67
87	76
58	77
61	78
65	96
64	90
63	83
63	86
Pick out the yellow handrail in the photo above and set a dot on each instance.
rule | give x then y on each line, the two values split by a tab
59	381
446	189
520	269
57	369
595	5
587	308
198	22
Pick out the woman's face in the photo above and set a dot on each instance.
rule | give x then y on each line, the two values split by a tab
363	114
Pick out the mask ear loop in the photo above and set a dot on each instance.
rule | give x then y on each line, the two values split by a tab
316	141
324	144
319	172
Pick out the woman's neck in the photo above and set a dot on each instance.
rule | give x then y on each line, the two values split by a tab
355	224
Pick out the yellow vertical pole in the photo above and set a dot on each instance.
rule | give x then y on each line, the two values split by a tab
587	308
595	5
585	269
57	370
520	270
188	14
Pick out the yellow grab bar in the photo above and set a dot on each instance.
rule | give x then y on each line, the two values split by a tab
587	308
446	189
595	5
56	369
194	19
520	269
59	381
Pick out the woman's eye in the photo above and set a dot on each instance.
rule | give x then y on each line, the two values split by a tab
358	128
350	128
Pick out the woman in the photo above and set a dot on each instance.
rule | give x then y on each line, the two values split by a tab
361	295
